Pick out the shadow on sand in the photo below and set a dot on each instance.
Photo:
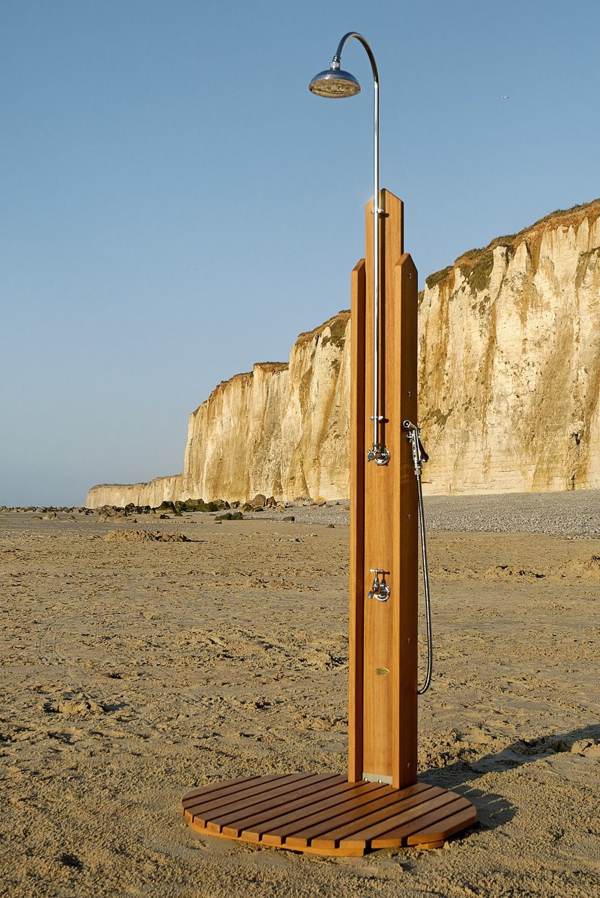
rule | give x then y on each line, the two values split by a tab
494	810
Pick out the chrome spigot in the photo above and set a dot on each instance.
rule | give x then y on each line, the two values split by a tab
379	454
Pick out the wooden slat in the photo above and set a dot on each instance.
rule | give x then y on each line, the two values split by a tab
293	835
357	526
338	852
267	801
257	820
398	821
296	817
383	808
248	798
218	787
399	834
438	832
234	792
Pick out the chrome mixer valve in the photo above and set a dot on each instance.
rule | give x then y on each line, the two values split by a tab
379	590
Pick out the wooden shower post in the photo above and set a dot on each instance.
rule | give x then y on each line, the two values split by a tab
380	804
383	514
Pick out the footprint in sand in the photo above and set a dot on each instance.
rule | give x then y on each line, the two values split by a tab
76	704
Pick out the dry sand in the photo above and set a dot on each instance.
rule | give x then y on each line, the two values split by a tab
133	669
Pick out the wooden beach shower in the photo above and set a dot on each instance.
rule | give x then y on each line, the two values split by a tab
380	803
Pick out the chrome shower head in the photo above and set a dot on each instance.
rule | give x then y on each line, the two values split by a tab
334	83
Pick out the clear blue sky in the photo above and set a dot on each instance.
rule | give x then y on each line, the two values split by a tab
176	205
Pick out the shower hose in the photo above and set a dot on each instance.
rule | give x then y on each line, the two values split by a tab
419	456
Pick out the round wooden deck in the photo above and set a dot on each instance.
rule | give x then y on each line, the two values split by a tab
325	814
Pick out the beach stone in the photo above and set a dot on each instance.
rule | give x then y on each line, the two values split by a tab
146	536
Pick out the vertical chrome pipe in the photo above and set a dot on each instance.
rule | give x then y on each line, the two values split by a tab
376	273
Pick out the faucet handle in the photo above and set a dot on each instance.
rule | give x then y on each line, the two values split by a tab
384	592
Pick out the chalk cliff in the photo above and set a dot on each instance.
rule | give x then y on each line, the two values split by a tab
509	372
281	430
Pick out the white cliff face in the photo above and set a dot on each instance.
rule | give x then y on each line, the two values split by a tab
152	493
509	362
282	430
509	372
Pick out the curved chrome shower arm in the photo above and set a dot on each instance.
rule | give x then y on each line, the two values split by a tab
337	58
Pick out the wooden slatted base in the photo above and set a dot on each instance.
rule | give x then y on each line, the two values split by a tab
325	814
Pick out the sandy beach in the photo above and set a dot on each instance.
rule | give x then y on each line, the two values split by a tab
133	669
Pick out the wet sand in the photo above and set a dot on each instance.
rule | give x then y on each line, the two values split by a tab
133	670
